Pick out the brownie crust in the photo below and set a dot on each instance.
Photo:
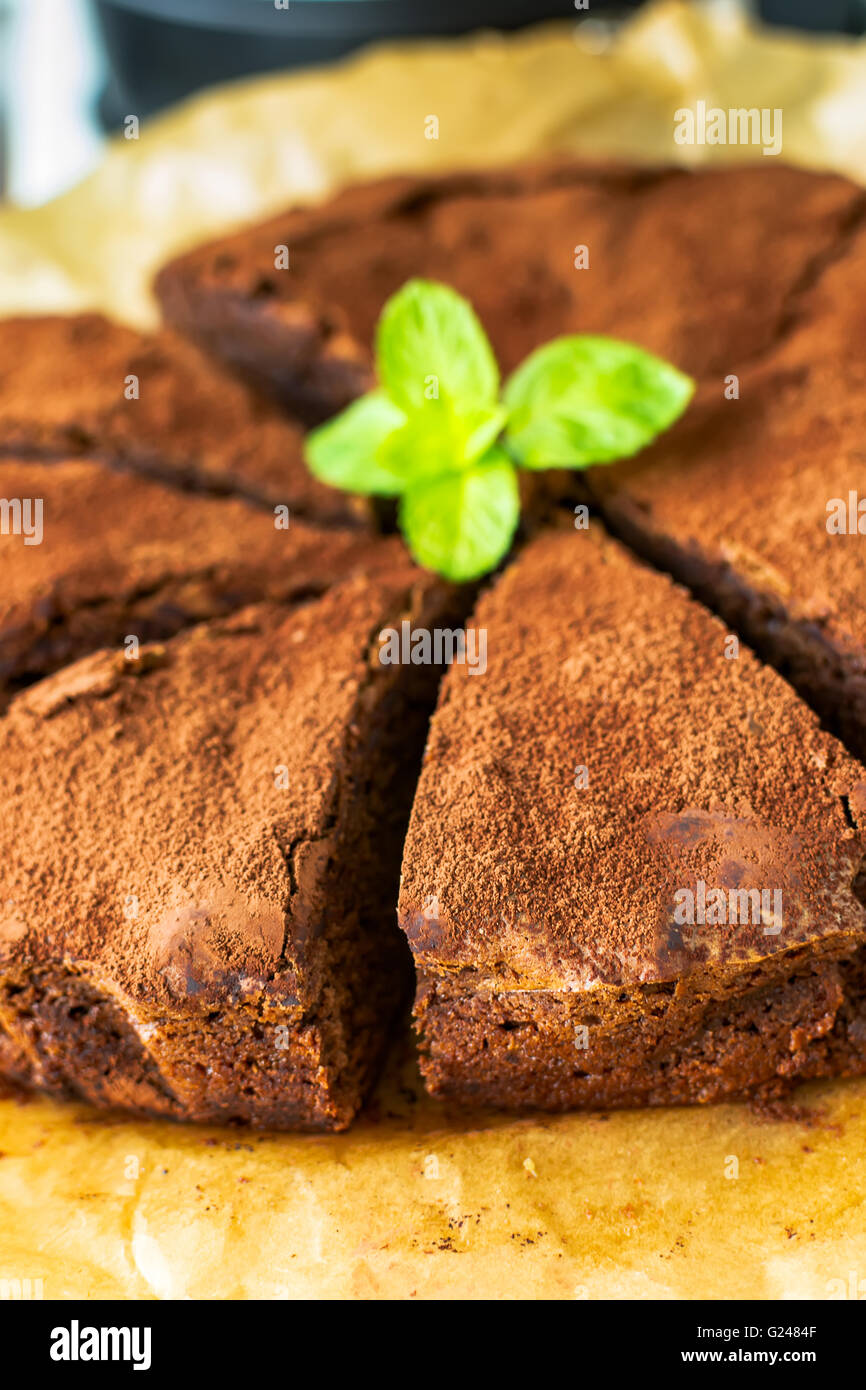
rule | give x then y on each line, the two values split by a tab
510	239
121	555
82	385
752	502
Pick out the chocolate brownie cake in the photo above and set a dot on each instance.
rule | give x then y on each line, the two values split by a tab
634	870
200	859
84	385
704	268
631	872
90	557
757	503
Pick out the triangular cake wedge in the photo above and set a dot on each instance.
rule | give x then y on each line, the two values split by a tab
152	403
200	855
90	557
563	247
632	870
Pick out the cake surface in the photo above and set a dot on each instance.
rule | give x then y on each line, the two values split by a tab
757	502
92	556
215	938
511	241
201	837
611	761
85	385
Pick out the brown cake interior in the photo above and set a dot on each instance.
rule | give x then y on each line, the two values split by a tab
703	1045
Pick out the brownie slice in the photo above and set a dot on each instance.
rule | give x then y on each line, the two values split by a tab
704	268
616	758
200	860
63	391
758	504
90	556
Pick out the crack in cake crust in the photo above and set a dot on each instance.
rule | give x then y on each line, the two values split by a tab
123	555
190	424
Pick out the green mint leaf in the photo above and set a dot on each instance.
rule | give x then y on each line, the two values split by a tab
348	451
482	428
432	434
462	524
435	441
430	344
584	400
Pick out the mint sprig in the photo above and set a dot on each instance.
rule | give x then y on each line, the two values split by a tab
460	523
438	436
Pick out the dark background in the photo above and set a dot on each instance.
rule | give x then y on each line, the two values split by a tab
72	70
162	50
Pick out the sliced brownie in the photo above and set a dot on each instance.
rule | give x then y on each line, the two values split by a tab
200	860
631	872
90	556
758	504
65	387
703	268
